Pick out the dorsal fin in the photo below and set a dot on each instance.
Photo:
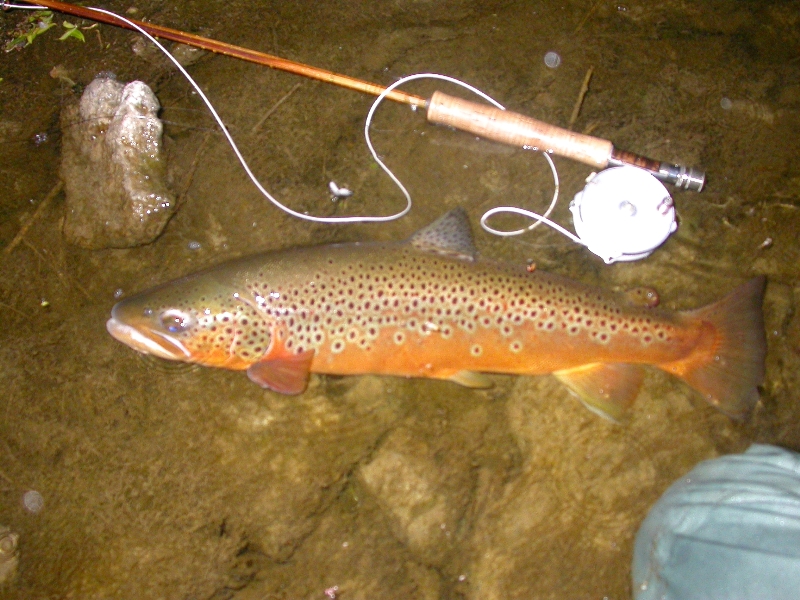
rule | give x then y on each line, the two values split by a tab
449	235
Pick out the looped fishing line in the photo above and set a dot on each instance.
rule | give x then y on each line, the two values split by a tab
539	219
354	219
626	219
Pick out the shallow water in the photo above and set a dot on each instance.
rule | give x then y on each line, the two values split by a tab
164	482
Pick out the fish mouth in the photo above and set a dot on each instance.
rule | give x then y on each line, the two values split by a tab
147	341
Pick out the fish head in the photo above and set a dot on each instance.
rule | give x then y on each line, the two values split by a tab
195	319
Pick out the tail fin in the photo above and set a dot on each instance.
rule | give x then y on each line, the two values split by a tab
729	364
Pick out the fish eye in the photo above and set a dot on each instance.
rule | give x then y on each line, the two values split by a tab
176	321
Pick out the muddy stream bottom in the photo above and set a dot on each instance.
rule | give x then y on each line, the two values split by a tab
168	481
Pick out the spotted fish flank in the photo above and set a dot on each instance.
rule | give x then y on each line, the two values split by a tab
429	307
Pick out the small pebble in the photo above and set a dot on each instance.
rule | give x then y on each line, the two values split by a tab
726	103
552	59
106	75
40	138
118	293
195	245
8	544
9	557
32	501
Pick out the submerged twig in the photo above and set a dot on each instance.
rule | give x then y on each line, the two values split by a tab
187	181
586	16
39	210
12	309
7	478
581	95
275	106
65	279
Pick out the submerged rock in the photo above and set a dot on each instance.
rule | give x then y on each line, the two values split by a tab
113	168
9	558
422	495
291	459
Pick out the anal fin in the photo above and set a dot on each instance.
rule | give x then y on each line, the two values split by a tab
286	374
606	389
471	379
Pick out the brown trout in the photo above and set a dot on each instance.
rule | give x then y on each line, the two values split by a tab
428	307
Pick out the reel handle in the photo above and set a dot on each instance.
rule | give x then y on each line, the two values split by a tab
519	130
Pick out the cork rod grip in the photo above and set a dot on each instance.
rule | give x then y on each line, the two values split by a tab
517	130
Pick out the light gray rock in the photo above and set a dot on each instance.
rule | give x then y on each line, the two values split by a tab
113	167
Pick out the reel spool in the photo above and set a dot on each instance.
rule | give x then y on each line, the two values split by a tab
623	214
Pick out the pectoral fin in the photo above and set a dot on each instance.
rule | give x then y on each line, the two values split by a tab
606	389
287	374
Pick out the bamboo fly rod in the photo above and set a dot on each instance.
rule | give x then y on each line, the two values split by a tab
480	119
